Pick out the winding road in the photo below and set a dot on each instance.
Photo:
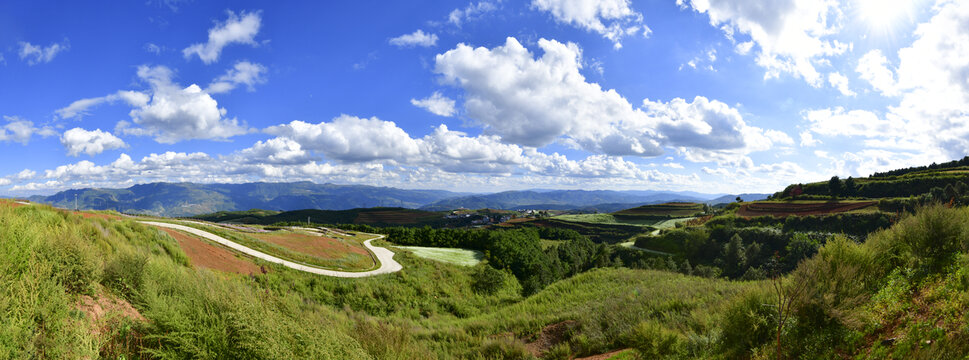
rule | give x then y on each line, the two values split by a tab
385	257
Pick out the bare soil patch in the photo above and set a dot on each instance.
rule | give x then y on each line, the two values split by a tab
781	209
550	336
314	245
105	307
602	356
203	254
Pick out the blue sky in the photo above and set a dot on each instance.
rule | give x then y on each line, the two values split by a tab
706	95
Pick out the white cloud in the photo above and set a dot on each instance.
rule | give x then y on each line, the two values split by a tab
19	130
838	122
36	54
78	140
612	19
351	139
457	17
872	67
276	151
840	82
791	35
175	114
417	38
243	73
78	109
933	82
238	29
437	104
454	151
535	101
153	48
808	140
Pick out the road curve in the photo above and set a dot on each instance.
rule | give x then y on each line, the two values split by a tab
386	257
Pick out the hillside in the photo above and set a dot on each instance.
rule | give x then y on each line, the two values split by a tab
369	216
665	210
184	199
102	286
557	200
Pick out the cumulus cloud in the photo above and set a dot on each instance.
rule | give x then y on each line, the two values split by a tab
840	82
533	102
351	139
437	104
612	19
276	151
457	17
873	68
417	38
237	29
808	140
791	36
243	73
78	140
19	130
838	122
36	54
175	113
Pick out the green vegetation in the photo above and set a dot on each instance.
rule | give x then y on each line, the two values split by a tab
667	210
449	255
378	216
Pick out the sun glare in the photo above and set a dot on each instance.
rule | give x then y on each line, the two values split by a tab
881	16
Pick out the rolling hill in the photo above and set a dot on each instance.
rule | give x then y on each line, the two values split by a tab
183	199
559	200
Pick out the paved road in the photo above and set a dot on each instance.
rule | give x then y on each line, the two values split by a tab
386	257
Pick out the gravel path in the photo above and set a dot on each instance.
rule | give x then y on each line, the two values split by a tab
386	257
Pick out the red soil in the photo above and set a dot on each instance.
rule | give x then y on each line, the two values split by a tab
203	254
602	356
314	245
780	209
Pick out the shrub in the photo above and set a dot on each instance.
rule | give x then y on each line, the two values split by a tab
124	273
652	341
486	279
747	324
932	237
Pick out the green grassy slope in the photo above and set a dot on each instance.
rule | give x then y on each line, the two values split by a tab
899	294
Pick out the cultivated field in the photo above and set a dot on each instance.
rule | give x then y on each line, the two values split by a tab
673	209
206	255
396	216
462	257
803	208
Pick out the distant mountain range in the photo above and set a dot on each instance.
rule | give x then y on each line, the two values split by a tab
185	199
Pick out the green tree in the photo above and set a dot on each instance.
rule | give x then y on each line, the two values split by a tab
834	186
734	256
850	188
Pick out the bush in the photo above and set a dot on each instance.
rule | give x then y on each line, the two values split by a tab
652	341
486	279
124	273
932	237
747	324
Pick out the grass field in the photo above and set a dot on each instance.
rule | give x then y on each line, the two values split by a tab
462	257
805	207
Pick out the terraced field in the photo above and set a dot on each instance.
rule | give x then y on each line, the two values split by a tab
803	208
673	209
399	216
